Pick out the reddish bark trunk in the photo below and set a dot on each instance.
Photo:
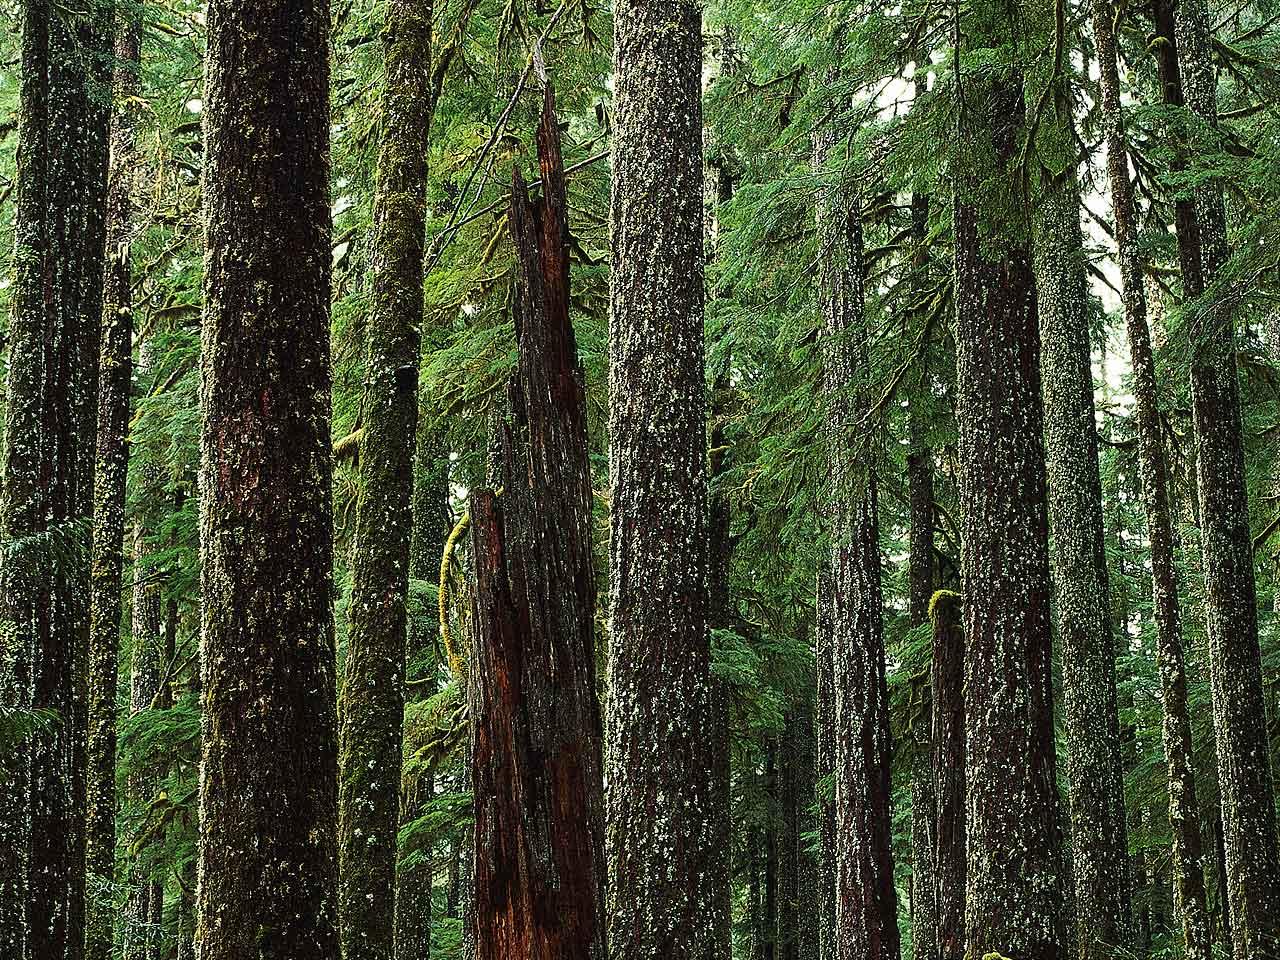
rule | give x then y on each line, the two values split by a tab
536	728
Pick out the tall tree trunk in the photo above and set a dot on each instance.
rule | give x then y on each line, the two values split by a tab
1013	838
268	786
824	755
755	888
371	705
1184	810
769	849
536	732
948	763
922	577
51	415
115	381
145	676
661	831
797	916
866	902
1235	668
1081	605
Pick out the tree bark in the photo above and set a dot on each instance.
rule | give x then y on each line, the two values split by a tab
1013	839
948	771
268	785
371	704
797	916
1187	848
661	809
922	577
1235	668
146	672
45	518
866	902
115	382
824	754
1081	604
536	760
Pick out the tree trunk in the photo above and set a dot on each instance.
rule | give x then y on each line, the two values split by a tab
866	902
797	917
769	848
1013	839
268	785
115	382
1235	668
145	676
661	810
922	578
1081	605
948	771
371	705
1184	813
49	454
824	753
536	730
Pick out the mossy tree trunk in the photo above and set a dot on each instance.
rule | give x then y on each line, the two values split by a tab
797	916
537	753
1187	848
371	706
947	763
824	756
48	465
922	578
267	885
146	673
115	382
1081	604
866	902
1013	837
661	807
1235	669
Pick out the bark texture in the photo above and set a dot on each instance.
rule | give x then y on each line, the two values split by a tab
1187	848
1013	853
660	829
115	381
1235	669
922	575
371	706
797	913
268	784
1081	604
48	465
948	771
866	902
536	754
824	754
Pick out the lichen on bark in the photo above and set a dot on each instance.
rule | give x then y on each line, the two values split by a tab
660	809
371	706
267	877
